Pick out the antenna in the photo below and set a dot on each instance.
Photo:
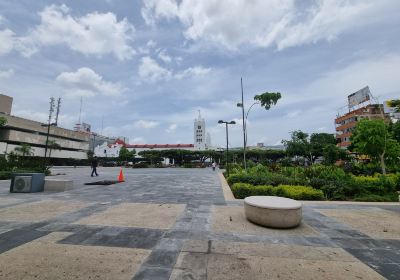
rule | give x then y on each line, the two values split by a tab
58	109
51	110
80	112
102	124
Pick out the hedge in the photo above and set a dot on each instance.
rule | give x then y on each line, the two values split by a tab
243	190
299	192
268	179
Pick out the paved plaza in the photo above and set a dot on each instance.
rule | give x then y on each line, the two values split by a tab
183	224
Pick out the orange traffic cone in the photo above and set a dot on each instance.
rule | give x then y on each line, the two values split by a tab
121	176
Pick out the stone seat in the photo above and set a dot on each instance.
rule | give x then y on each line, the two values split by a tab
273	211
58	185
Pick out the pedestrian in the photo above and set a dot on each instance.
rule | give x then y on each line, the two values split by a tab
94	166
214	165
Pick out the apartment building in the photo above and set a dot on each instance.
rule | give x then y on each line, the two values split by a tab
345	124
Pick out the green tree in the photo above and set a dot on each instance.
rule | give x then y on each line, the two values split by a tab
394	129
267	99
3	121
333	153
299	145
126	155
372	138
24	150
395	103
309	147
53	145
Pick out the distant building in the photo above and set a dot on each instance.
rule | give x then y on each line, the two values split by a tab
200	141
112	150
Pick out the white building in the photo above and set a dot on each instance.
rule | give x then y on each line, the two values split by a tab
201	139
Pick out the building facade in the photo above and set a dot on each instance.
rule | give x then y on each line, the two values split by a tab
18	131
345	124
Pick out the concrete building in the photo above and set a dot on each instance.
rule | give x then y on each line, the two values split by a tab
19	131
345	124
5	104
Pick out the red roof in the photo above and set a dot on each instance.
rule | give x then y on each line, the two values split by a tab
153	146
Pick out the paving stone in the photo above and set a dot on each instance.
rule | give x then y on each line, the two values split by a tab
386	224
157	216
153	273
390	271
162	258
117	237
48	260
16	237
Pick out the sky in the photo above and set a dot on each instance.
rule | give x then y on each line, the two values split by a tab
144	68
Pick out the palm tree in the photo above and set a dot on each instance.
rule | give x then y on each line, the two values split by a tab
53	145
24	150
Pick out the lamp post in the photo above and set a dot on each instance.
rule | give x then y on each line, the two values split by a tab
245	116
227	142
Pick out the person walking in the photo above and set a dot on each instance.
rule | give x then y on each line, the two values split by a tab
214	165
94	166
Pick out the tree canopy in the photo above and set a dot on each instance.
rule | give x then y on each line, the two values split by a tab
267	99
126	155
3	121
310	147
372	138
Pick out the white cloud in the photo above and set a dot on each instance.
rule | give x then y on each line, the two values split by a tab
145	124
7	39
6	74
150	71
262	23
94	33
172	128
154	9
193	72
86	82
138	140
164	56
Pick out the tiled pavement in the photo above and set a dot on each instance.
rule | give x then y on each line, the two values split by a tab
193	233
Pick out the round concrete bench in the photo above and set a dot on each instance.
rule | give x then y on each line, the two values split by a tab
273	211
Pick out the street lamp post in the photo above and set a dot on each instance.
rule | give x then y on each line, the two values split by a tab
227	142
46	144
245	116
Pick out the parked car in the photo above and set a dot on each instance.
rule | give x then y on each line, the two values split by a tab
109	163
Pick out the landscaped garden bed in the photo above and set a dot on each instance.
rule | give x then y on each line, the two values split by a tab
317	182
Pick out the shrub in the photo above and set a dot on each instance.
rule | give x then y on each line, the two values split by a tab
378	185
242	190
377	198
249	179
299	192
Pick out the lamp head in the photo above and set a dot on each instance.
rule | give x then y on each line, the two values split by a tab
239	105
232	122
220	121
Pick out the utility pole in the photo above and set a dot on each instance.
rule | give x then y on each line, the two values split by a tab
51	111
227	142
244	129
58	110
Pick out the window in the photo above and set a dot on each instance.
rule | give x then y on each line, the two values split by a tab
199	127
